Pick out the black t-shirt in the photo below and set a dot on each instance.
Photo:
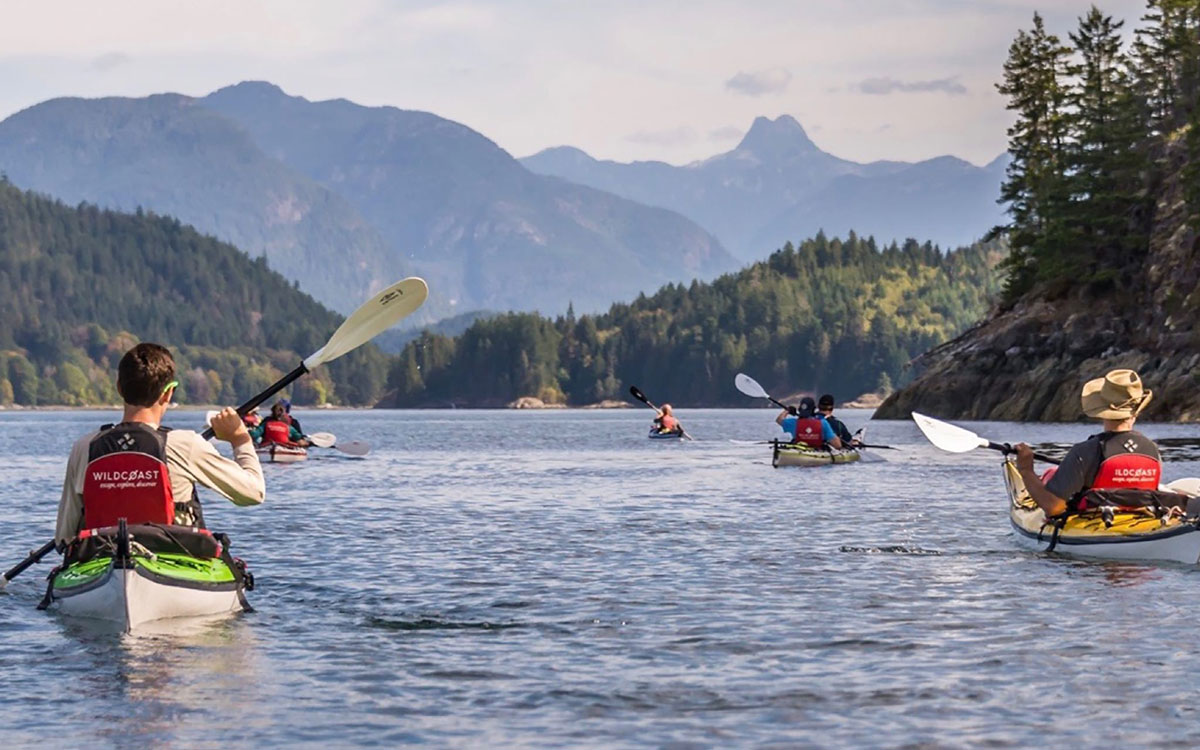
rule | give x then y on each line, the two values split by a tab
1078	470
839	428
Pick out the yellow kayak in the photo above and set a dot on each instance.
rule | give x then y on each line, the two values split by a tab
799	454
1135	534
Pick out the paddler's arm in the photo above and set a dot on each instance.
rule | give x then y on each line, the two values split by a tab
1050	503
829	436
70	504
239	480
298	437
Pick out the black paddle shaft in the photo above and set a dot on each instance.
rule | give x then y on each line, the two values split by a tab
1008	450
34	556
279	385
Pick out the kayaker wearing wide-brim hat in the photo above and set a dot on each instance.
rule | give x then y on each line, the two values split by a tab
1118	458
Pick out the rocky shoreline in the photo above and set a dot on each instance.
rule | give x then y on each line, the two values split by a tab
1030	362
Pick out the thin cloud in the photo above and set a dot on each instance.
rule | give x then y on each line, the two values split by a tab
759	82
679	136
887	85
727	133
108	61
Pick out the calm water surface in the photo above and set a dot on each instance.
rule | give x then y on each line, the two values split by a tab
514	579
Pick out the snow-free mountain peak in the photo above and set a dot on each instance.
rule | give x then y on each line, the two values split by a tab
780	138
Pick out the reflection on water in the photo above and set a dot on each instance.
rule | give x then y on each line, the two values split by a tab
560	580
147	683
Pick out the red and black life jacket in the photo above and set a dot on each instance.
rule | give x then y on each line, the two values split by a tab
808	432
276	431
667	423
127	477
1128	473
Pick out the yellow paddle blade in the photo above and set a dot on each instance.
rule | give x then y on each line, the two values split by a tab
376	315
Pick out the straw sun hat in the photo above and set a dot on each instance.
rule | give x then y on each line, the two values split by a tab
1117	395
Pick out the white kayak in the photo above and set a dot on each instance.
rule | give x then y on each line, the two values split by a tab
281	454
1136	534
134	596
136	586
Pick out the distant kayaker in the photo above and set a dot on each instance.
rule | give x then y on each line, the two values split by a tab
1118	458
277	428
805	425
825	407
665	421
287	408
145	473
252	419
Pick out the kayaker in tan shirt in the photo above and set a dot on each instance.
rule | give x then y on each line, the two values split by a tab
146	381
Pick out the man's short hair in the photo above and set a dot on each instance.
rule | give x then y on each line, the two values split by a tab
144	373
826	401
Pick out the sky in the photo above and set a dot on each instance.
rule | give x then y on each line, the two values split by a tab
622	79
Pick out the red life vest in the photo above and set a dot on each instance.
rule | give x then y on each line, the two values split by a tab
667	423
276	431
127	477
1129	471
808	432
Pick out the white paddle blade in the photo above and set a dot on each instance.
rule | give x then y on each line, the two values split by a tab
1189	486
208	417
354	448
946	436
376	315
322	439
749	386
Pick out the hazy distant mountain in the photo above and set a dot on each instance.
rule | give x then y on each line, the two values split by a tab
342	197
777	185
167	154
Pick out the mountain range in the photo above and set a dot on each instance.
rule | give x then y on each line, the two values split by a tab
778	186
343	198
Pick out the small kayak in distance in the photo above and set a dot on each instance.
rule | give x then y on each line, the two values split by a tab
148	572
799	454
281	454
673	435
1133	534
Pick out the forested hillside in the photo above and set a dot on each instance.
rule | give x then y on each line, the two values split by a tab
831	315
79	286
1104	205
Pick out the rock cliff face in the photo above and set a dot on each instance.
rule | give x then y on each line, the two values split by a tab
1029	363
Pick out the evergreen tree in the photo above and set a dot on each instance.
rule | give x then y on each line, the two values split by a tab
1036	189
1106	166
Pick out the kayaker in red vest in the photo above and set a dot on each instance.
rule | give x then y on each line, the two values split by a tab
665	421
804	425
145	473
1118	458
277	428
252	419
287	408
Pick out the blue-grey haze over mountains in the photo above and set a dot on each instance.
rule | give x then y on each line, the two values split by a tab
343	198
778	186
